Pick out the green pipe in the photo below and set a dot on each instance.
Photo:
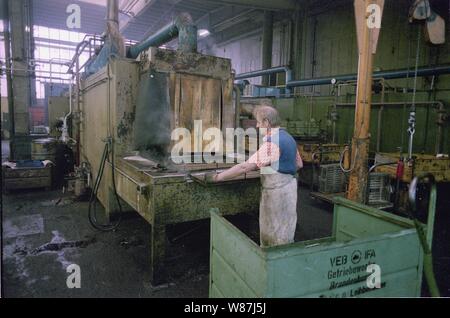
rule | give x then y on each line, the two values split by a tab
182	26
393	74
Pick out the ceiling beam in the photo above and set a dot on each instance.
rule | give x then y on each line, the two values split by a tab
261	4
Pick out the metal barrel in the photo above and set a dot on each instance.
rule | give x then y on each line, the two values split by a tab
44	149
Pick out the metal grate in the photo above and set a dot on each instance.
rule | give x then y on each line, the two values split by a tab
331	179
379	193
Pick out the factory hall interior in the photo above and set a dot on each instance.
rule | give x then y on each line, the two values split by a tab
225	149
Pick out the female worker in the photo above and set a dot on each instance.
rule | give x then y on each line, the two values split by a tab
278	160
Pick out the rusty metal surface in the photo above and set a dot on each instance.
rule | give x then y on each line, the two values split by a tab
324	153
187	63
439	167
180	199
161	196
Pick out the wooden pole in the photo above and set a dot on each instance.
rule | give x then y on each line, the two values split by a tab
367	42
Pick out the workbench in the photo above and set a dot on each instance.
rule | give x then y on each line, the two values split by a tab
170	197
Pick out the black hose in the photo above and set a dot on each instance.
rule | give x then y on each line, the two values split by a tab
92	211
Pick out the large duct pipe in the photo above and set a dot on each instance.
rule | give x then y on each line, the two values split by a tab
113	11
182	26
112	27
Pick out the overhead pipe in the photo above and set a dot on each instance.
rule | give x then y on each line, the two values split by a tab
328	80
394	74
269	71
80	48
182	26
273	70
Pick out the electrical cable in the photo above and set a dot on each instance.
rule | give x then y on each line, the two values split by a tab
92	210
108	150
412	113
341	158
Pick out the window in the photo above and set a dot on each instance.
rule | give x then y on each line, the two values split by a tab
54	48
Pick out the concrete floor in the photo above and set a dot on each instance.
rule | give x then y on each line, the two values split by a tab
112	264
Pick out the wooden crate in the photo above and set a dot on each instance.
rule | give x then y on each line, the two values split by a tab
333	266
26	178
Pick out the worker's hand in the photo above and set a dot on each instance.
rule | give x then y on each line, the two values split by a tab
211	177
217	177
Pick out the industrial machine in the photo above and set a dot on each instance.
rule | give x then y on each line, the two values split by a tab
129	107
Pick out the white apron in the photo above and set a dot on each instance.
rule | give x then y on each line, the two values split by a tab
277	209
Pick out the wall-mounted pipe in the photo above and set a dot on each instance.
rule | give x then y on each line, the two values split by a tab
182	26
328	80
65	137
273	70
394	74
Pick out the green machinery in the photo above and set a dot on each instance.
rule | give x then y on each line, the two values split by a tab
334	266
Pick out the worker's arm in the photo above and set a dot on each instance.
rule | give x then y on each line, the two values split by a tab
299	161
235	171
268	153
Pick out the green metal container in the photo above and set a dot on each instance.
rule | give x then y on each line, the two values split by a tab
330	267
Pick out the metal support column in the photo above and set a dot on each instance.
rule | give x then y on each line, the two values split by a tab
21	53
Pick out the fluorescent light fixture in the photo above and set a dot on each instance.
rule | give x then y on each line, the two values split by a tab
130	9
95	2
203	33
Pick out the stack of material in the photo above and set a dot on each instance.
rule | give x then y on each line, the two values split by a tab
26	174
331	179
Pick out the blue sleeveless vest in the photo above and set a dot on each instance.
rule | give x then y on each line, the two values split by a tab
287	163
